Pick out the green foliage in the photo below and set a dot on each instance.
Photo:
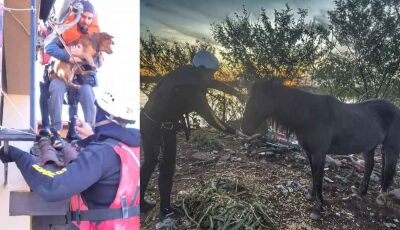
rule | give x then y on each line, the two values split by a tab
287	47
158	57
206	141
366	63
225	204
226	107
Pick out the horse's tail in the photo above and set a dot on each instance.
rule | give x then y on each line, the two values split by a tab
391	147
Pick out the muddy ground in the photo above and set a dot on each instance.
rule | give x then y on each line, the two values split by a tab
276	177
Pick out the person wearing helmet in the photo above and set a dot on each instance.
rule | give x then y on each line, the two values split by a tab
179	92
56	88
104	177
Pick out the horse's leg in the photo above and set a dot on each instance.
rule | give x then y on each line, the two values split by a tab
392	155
311	195
318	161
383	152
369	166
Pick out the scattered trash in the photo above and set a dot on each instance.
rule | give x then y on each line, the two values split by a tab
272	174
375	178
330	162
203	156
328	179
395	194
183	193
342	179
166	224
282	189
389	225
294	184
357	164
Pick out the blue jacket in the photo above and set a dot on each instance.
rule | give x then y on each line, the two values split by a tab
95	173
56	49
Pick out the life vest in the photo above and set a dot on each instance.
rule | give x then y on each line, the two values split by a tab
124	212
43	57
73	33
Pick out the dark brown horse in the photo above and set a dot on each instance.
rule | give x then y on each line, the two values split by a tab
324	125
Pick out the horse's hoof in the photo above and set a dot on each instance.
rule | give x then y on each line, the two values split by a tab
381	199
310	197
355	190
315	216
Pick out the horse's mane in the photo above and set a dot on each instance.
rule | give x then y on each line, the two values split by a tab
293	104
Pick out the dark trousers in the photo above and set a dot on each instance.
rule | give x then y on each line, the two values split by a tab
44	96
159	147
72	98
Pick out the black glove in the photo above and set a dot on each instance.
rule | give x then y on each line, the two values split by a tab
12	155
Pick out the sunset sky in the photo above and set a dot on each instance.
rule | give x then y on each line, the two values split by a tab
188	20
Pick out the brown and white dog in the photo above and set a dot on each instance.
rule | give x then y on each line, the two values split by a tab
88	46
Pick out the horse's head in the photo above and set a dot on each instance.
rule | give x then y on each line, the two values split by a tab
258	107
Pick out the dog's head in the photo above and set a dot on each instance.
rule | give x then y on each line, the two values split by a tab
104	40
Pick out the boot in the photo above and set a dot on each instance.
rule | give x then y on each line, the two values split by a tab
169	212
56	139
44	110
71	134
45	132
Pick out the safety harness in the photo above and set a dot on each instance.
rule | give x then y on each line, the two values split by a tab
182	122
124	212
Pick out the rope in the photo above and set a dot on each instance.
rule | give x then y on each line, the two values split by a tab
17	9
14	106
15	18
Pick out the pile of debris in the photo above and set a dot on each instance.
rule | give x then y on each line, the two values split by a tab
223	204
275	145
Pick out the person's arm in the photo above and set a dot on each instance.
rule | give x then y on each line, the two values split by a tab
205	111
226	89
56	49
79	175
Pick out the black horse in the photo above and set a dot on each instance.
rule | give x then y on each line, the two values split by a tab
324	125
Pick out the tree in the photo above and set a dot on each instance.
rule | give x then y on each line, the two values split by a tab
288	47
367	33
158	57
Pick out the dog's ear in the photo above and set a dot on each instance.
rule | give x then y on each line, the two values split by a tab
107	36
110	36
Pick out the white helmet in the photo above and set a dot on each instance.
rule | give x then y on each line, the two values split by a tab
206	59
117	108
